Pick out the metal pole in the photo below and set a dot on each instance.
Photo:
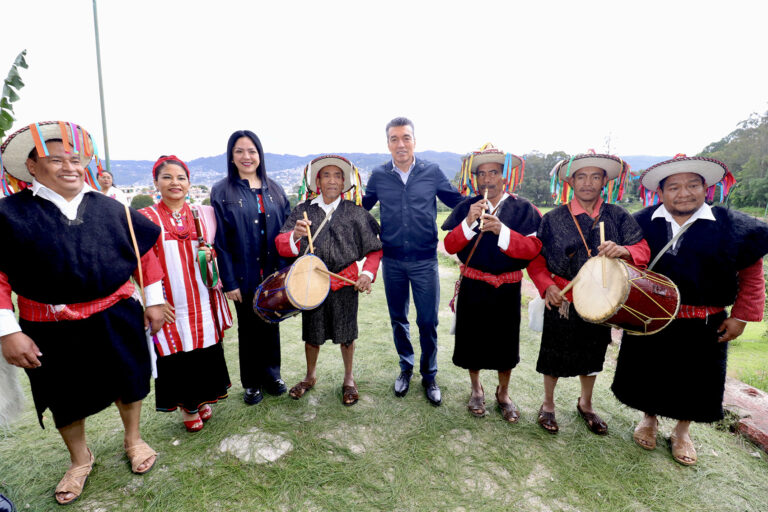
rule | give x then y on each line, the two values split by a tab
101	86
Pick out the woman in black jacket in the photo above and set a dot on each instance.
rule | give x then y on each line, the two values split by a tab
250	209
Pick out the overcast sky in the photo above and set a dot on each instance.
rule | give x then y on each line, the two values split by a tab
657	77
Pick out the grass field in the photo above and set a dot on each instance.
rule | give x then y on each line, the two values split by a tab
387	453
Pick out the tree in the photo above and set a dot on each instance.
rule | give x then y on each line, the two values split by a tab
11	85
142	201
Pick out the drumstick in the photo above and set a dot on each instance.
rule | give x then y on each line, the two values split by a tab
309	235
602	241
567	287
337	276
485	197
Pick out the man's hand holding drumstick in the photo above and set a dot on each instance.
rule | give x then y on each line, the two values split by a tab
301	229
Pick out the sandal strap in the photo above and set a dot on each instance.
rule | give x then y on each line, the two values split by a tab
138	454
69	482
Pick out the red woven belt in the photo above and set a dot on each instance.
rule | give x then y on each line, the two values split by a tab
38	312
697	311
492	279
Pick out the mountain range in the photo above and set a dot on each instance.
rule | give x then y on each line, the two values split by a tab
287	169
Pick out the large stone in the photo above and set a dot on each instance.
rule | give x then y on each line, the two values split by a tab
256	446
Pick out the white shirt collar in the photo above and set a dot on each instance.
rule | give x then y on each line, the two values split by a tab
495	209
68	208
327	208
703	213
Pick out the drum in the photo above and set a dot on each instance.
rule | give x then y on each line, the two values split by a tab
292	290
638	301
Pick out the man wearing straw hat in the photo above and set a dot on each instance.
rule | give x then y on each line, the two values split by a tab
70	253
406	188
494	235
342	233
570	235
715	257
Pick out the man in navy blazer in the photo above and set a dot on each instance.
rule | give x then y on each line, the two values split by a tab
406	188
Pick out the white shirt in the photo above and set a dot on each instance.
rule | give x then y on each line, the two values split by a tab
504	235
153	292
404	175
703	213
328	209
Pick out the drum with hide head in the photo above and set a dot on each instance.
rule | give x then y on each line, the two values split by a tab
292	290
638	301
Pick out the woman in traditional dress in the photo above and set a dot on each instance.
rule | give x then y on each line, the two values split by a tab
250	209
106	181
191	370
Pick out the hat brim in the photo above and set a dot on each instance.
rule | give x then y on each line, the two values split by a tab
495	158
612	165
316	165
711	170
18	145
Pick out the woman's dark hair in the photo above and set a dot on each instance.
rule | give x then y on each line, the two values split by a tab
232	174
104	171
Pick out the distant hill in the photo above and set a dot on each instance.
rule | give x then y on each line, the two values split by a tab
287	169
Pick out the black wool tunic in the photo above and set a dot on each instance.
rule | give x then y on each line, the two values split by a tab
347	237
487	317
571	346
86	364
679	372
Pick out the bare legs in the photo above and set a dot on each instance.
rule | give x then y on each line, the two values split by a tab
477	388
347	355
131	414
587	385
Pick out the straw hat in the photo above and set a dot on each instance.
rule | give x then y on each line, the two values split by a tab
612	165
708	168
490	154
16	148
324	161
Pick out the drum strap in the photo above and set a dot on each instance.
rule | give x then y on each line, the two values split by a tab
669	244
589	251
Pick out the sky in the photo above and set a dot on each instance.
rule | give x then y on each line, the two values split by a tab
652	77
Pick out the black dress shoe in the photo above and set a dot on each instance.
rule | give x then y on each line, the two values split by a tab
276	388
432	390
252	396
402	383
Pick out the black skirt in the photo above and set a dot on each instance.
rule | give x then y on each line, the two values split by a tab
678	372
487	326
191	379
571	346
335	319
88	364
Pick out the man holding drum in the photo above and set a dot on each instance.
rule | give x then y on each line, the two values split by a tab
342	234
494	235
714	255
570	235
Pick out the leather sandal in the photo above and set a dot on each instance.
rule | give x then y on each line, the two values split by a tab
594	422
138	454
476	404
205	412
301	388
645	436
547	421
71	481
349	394
509	411
683	448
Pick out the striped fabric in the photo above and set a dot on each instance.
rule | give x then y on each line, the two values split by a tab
697	311
492	279
195	327
38	312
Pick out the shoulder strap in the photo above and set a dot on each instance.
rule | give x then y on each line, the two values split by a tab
136	250
589	251
669	244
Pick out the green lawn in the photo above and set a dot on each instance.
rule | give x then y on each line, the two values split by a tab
387	453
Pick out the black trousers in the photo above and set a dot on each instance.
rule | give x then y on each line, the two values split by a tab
259	346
